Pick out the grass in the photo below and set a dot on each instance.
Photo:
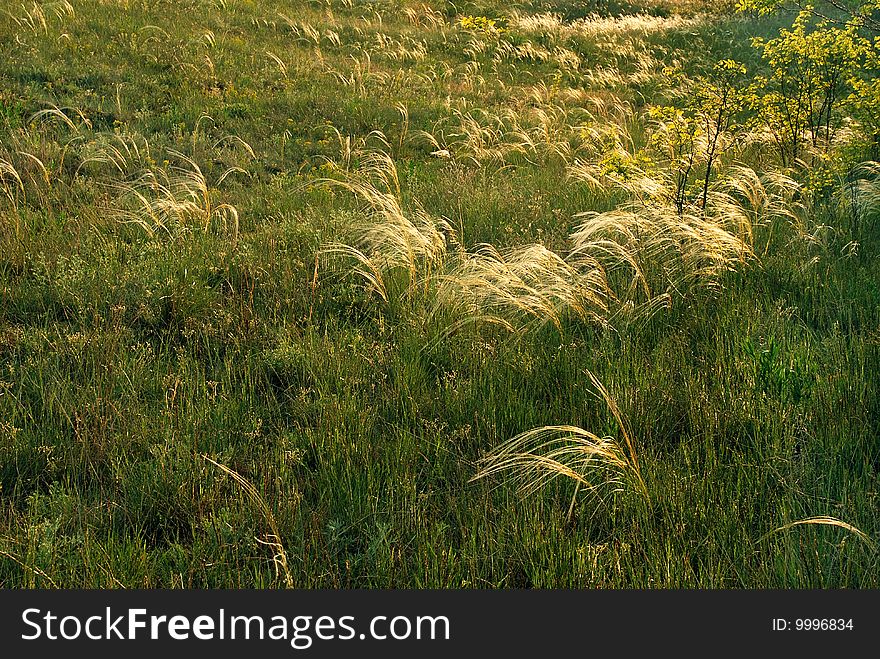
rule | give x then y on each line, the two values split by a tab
300	294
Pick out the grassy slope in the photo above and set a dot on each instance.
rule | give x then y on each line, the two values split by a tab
124	357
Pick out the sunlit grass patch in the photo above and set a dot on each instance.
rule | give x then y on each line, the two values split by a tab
538	456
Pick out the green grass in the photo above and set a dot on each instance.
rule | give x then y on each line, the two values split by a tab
348	430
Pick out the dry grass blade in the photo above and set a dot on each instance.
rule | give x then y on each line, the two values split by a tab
23	177
236	140
282	67
541	454
824	521
10	179
365	267
39	164
486	137
666	251
61	115
36	17
274	540
122	152
866	188
624	429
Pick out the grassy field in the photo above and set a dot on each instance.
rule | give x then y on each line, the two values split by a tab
278	280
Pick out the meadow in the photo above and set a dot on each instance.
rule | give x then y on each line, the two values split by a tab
422	294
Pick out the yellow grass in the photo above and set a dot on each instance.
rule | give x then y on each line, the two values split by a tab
825	521
274	539
538	456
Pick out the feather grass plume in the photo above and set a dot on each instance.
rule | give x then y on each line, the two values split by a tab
162	199
274	539
525	286
390	237
541	455
825	521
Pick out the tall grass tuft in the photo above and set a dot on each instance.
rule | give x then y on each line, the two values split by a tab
525	286
37	16
538	456
174	197
390	238
638	256
666	249
663	251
